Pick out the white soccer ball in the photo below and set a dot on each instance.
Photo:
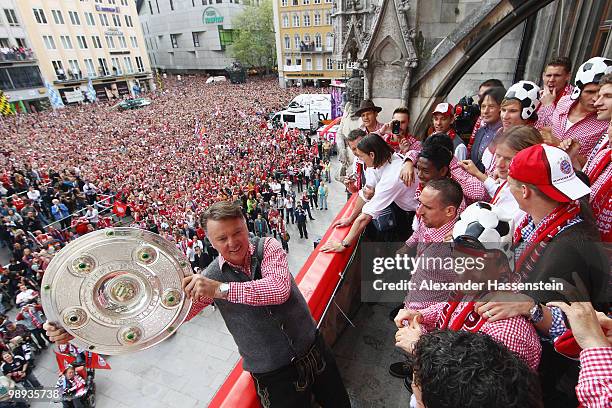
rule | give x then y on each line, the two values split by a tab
528	94
590	72
489	224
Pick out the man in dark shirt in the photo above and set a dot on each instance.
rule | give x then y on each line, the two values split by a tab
300	217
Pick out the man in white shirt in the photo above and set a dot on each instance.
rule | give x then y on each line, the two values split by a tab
34	195
92	215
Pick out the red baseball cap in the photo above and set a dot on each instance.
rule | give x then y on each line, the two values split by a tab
444	108
550	170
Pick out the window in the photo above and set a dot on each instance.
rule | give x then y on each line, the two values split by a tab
295	2
284	3
11	17
327	18
103	19
319	63
110	41
122	42
328	1
329	64
306	19
59	70
75	70
57	16
82	42
305	2
116	20
96	41
112	2
296	40
287	42
49	42
316	1
129	68
288	61
296	20
329	41
103	67
318	42
285	21
89	17
298	61
89	66
171	5
20	77
116	67
196	39
340	65
66	42
124	2
74	18
602	36
308	64
226	37
307	39
39	15
21	42
317	18
134	42
139	64
174	40
128	21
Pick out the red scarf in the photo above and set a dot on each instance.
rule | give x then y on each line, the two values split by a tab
37	323
548	228
601	202
499	189
467	320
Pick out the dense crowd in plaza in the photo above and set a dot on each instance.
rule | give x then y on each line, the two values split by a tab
528	193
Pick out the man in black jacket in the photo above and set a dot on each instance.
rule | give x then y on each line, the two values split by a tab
300	217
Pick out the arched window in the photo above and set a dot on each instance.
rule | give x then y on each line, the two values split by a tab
307	39
297	41
328	18
296	20
317	18
287	42
329	41
285	21
318	42
306	19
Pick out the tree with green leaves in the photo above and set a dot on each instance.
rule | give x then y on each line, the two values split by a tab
254	45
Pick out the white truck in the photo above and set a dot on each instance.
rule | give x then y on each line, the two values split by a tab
318	103
298	118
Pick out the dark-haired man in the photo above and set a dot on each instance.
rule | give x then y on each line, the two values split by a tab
497	376
556	77
403	141
265	313
485	86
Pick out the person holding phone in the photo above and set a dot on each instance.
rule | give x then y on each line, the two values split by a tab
396	133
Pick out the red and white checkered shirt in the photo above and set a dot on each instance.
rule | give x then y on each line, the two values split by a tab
515	333
545	112
473	189
587	131
594	389
273	288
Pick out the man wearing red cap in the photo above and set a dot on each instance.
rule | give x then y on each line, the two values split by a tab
542	180
442	122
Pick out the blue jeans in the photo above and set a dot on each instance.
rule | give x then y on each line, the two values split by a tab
322	202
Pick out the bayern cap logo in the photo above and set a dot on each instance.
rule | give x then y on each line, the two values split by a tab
566	167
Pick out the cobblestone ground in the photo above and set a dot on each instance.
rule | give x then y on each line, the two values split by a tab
187	369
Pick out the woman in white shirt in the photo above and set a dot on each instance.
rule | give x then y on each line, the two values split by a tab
509	143
389	191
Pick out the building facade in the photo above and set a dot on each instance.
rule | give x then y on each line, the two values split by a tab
189	35
305	43
77	41
20	77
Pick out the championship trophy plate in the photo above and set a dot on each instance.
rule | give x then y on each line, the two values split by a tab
117	290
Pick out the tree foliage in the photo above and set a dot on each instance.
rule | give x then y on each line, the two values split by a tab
254	45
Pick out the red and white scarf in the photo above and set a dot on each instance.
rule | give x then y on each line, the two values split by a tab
601	201
467	319
555	222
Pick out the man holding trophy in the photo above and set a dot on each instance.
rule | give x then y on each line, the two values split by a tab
264	311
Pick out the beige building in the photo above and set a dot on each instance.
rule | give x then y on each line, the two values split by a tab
305	43
78	40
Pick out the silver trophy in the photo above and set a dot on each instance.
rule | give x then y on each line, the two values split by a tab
117	290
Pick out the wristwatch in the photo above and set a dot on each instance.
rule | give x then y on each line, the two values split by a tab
536	314
224	290
345	244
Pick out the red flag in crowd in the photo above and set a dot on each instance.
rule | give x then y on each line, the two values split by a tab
119	209
63	360
97	362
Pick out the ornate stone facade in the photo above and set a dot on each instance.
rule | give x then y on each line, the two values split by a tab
375	34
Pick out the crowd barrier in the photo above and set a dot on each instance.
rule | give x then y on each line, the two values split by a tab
317	281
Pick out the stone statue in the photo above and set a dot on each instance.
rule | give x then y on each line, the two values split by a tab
345	155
